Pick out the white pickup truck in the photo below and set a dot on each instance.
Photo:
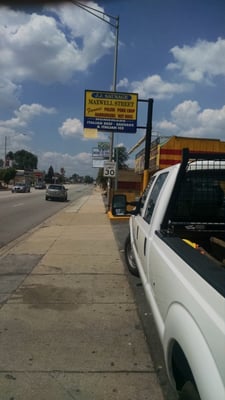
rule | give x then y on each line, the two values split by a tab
176	244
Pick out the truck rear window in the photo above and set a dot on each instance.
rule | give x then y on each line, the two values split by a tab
201	197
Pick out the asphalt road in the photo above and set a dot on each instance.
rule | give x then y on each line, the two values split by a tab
20	212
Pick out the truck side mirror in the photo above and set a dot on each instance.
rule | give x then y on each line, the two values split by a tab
119	204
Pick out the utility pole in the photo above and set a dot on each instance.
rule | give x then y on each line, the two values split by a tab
5	149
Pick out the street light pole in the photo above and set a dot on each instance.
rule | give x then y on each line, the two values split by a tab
114	77
114	24
5	149
114	90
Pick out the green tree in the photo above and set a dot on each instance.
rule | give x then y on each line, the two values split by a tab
121	156
50	175
10	155
88	179
75	178
25	160
6	174
1	163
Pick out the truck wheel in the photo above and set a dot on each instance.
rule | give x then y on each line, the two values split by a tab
189	392
129	257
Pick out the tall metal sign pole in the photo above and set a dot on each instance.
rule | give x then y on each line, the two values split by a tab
114	24
114	90
148	140
114	77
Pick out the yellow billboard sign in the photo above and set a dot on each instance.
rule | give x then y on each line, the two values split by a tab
110	111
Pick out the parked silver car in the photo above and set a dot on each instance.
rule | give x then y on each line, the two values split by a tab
21	188
56	192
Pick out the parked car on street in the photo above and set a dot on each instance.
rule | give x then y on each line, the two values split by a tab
40	185
21	188
56	192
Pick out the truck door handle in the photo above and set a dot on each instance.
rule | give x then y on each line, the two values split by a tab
145	241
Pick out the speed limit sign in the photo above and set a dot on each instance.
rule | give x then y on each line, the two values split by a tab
109	169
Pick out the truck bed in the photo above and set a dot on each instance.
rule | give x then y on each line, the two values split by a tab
203	262
197	215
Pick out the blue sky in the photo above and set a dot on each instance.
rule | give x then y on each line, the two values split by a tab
172	51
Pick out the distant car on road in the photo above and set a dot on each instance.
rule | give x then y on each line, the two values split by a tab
56	192
40	185
21	188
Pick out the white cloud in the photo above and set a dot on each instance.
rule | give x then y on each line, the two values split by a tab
80	164
9	94
36	47
213	120
187	119
25	114
185	113
71	128
166	126
95	38
201	62
124	83
154	86
16	129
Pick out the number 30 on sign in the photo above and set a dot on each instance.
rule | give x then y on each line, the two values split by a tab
110	169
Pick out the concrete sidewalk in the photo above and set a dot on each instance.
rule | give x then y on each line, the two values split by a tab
70	328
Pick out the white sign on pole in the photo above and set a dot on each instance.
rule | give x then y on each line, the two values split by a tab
109	169
98	163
